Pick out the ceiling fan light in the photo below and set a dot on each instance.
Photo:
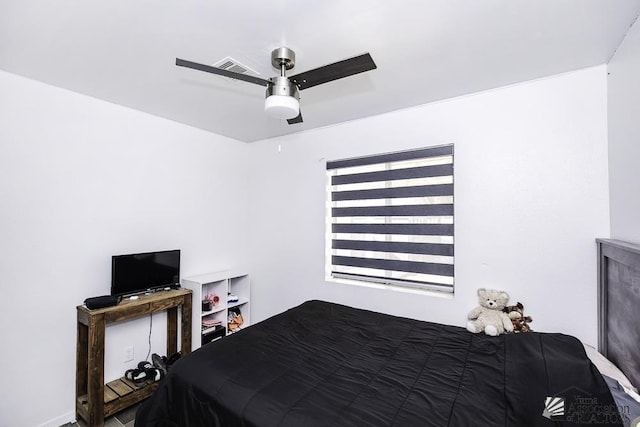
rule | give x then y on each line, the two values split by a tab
281	106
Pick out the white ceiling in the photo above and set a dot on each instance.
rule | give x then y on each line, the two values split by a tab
124	51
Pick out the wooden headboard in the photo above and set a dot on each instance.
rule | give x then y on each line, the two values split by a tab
619	305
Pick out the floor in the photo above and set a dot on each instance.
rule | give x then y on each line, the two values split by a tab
125	418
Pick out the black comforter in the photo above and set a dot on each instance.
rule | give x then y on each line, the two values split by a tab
322	364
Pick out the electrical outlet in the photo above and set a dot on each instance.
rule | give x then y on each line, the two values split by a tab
128	353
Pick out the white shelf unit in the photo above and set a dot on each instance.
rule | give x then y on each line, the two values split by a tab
220	283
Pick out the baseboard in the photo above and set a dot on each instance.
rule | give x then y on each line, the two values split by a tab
69	417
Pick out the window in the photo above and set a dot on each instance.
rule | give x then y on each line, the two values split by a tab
390	219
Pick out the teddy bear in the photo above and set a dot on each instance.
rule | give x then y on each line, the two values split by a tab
518	319
488	316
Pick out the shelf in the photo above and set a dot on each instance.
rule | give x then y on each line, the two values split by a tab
230	332
218	276
240	301
118	395
96	400
212	329
217	309
221	283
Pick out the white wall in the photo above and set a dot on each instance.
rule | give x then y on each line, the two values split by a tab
81	180
531	195
624	138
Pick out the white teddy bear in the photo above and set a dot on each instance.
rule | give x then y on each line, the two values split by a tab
489	317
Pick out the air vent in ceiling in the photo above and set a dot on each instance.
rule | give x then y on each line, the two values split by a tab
231	64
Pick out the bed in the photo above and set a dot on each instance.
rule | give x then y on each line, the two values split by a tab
324	364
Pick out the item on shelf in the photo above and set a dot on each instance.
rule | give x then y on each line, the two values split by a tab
213	334
145	371
215	299
153	373
207	305
206	327
235	320
159	363
137	375
209	329
102	301
209	322
160	269
164	361
232	298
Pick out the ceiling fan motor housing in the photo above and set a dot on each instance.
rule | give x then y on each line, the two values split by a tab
283	56
283	87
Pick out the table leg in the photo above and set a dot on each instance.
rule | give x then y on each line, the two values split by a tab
172	331
82	346
186	324
95	378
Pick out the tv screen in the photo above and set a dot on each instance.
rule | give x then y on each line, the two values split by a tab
136	273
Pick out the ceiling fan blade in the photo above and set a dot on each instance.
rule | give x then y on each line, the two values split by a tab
296	119
221	72
335	71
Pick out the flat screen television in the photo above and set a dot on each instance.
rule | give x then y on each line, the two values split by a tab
136	273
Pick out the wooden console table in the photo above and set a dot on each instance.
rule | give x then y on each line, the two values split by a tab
94	401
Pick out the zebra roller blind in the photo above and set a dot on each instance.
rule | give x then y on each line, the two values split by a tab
391	218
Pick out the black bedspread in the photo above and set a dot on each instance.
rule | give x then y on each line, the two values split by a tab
322	364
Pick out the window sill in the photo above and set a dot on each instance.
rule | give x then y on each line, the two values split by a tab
393	288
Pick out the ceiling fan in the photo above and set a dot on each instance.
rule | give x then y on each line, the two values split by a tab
282	98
